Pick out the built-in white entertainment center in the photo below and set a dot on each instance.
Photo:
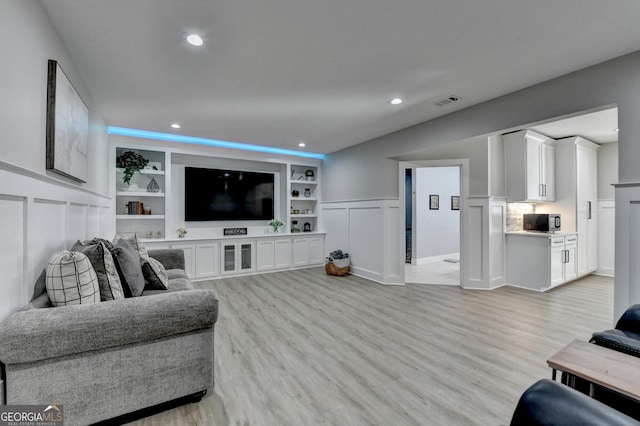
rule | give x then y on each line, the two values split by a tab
152	205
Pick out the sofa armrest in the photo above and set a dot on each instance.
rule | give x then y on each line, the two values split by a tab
170	258
548	403
37	334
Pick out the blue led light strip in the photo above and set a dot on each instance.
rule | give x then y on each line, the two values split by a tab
145	134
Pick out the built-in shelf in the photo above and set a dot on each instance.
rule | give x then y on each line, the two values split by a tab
305	182
302	215
139	194
139	216
144	172
304	198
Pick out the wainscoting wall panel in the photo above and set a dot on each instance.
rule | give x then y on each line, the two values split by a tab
368	231
475	247
366	241
12	246
40	215
627	250
483	243
606	237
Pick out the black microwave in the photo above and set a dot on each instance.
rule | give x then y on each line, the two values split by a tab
541	222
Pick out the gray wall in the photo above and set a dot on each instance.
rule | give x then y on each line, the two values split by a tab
607	170
28	42
613	82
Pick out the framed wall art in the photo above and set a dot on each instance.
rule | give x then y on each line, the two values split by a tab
67	126
434	202
455	202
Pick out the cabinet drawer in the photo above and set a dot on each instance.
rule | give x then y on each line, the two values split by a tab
556	242
571	240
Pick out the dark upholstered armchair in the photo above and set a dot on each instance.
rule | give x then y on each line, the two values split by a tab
549	403
625	337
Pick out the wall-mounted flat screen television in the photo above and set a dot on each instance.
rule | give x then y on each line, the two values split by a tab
214	194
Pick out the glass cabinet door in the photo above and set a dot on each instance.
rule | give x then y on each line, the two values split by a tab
229	260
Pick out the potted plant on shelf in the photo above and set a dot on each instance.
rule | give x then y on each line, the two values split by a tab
132	162
275	224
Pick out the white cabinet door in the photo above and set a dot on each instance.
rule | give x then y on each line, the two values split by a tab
533	169
571	264
300	251
239	256
265	251
556	261
586	212
207	256
547	172
316	250
282	253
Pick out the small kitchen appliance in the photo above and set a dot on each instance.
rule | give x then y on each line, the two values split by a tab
541	222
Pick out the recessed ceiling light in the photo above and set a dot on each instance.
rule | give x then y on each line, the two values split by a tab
302	144
195	40
395	101
175	126
617	130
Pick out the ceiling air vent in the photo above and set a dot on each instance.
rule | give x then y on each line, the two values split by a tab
448	100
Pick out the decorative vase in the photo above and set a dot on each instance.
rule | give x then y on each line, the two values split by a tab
295	193
307	192
153	186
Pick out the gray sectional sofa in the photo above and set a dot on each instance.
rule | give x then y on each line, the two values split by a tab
104	360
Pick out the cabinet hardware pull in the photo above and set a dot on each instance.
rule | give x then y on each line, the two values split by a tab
589	205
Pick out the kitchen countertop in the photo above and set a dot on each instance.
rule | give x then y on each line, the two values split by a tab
540	234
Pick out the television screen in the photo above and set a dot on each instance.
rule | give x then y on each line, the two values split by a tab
213	194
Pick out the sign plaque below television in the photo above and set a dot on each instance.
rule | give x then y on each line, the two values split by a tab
235	231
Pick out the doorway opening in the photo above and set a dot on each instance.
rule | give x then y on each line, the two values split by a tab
432	224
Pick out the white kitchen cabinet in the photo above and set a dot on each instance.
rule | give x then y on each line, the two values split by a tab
563	265
529	166
540	261
576	197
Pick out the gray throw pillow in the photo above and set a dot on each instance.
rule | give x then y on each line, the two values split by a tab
129	269
155	275
102	262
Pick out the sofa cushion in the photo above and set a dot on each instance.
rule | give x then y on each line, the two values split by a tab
71	279
104	266
155	275
129	268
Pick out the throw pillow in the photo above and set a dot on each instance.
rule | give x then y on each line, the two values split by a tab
104	266
71	280
135	242
129	269
155	275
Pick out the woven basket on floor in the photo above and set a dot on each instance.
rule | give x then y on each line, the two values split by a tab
337	267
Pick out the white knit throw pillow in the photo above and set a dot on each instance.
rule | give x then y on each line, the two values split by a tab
71	280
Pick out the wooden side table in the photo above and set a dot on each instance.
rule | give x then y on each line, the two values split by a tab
601	366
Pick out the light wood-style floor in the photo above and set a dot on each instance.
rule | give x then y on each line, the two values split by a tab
304	348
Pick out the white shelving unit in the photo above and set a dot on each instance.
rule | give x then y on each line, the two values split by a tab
303	198
145	225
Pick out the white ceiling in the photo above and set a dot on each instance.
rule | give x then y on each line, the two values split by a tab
599	126
322	71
